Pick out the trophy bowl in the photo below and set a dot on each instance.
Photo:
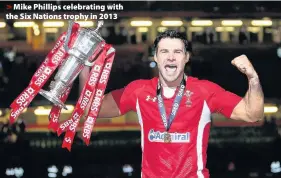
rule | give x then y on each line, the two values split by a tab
87	42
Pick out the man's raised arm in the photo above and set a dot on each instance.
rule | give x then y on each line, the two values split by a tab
251	107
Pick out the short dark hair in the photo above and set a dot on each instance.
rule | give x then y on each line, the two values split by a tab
172	34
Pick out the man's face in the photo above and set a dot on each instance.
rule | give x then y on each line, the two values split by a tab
171	58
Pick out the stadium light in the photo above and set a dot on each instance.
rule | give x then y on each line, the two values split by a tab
2	24
201	23
221	29
53	24
23	24
270	109
261	22
253	29
142	29
141	23
85	23
161	29
231	22
51	30
173	23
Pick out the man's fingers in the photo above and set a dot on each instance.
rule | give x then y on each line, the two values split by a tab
243	64
236	62
240	60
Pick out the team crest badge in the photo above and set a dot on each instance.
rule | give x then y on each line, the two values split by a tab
188	95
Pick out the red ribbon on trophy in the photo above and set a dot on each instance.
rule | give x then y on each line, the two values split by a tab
74	50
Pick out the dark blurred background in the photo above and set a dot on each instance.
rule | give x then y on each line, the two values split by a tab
218	31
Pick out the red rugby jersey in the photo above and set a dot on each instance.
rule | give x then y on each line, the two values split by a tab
185	156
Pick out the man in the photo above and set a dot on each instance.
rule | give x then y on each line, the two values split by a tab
174	110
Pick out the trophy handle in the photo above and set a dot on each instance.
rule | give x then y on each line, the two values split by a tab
111	50
99	25
69	30
89	64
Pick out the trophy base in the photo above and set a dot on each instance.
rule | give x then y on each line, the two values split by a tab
55	100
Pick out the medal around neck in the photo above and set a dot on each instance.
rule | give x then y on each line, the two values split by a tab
167	137
168	122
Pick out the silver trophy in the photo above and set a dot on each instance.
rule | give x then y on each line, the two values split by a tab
87	42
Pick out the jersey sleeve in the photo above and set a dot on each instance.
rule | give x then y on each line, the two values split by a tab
126	97
220	100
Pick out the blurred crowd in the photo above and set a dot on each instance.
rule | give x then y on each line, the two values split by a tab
12	133
15	72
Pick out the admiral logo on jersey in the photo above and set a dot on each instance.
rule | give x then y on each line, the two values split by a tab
157	136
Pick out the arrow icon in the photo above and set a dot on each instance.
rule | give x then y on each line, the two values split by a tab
9	6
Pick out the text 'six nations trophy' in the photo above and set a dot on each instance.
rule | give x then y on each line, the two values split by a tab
74	50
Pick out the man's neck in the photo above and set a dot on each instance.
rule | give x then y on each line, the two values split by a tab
173	84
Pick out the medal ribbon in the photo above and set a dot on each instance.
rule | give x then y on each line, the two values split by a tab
176	104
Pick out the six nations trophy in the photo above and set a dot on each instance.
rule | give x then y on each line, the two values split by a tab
86	43
75	49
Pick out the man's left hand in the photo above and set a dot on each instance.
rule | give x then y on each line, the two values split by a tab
245	66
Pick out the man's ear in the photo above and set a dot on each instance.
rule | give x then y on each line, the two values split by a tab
187	57
155	57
